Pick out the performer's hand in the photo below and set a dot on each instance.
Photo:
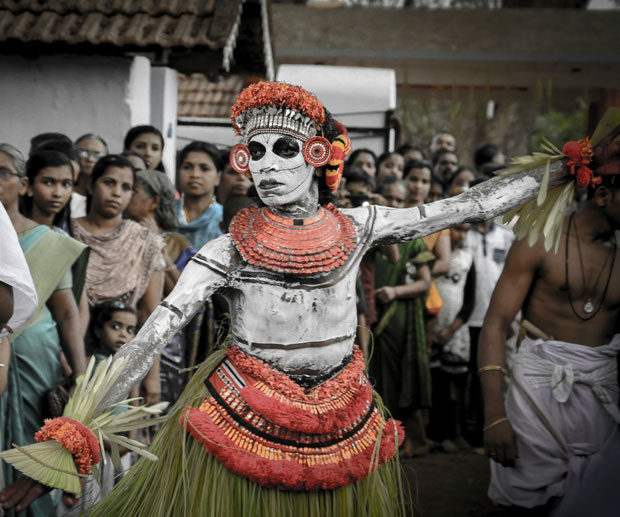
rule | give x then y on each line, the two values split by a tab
500	444
22	493
386	294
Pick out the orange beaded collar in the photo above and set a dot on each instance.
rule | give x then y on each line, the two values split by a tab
301	246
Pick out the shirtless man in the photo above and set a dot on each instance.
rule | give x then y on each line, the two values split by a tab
561	407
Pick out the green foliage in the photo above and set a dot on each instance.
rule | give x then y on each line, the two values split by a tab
558	127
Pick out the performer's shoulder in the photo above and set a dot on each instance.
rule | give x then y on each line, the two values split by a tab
219	254
363	217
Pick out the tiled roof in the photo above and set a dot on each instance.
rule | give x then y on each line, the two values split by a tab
199	97
162	23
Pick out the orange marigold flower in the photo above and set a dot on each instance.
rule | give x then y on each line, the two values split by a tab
75	437
578	155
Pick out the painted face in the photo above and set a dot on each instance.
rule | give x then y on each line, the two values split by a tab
51	189
112	192
461	183
395	195
150	146
366	162
280	172
419	185
118	331
458	234
12	185
198	176
232	184
443	141
89	151
392	166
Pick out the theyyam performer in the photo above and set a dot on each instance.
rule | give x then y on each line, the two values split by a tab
284	421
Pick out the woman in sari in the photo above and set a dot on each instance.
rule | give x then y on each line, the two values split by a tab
36	347
400	361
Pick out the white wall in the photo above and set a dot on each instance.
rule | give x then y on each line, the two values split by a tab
163	108
72	95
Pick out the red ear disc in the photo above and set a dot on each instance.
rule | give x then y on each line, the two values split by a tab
240	158
317	151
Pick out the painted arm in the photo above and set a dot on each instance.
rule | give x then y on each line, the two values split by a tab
482	202
147	304
196	284
510	292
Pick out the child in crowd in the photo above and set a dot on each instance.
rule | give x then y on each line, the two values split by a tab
89	148
148	142
399	362
411	152
198	213
112	324
390	164
365	159
450	344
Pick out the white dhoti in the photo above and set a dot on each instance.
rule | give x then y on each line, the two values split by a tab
563	406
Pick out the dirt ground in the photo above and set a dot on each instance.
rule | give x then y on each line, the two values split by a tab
450	485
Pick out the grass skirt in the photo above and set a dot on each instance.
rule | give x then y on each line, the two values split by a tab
188	481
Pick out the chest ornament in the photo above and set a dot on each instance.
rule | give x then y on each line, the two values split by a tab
300	246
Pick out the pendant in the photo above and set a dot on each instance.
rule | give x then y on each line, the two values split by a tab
588	308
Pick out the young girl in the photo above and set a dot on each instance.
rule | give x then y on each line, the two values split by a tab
112	325
400	361
437	191
148	142
198	213
50	183
126	261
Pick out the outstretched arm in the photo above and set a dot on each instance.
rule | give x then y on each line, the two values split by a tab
195	286
480	203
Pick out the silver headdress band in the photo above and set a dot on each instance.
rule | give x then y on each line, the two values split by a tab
269	119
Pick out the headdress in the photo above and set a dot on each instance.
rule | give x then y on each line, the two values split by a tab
587	160
290	110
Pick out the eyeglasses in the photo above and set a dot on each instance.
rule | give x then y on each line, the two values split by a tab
5	174
85	153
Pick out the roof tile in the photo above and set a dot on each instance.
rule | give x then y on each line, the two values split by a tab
199	97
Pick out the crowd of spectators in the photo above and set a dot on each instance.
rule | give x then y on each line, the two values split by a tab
106	235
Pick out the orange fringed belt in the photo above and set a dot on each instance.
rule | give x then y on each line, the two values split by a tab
263	426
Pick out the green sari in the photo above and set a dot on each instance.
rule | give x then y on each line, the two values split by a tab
399	363
35	349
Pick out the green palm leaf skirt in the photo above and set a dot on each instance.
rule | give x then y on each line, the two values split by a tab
188	480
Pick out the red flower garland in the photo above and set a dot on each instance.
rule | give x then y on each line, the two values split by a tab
78	439
578	157
279	95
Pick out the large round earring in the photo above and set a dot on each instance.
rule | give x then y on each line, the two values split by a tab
240	158
317	151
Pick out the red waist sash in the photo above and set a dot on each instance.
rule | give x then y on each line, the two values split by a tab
263	426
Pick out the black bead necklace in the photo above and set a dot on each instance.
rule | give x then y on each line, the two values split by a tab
588	306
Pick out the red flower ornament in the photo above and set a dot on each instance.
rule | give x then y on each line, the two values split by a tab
578	156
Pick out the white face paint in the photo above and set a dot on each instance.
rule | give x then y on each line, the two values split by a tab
280	172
